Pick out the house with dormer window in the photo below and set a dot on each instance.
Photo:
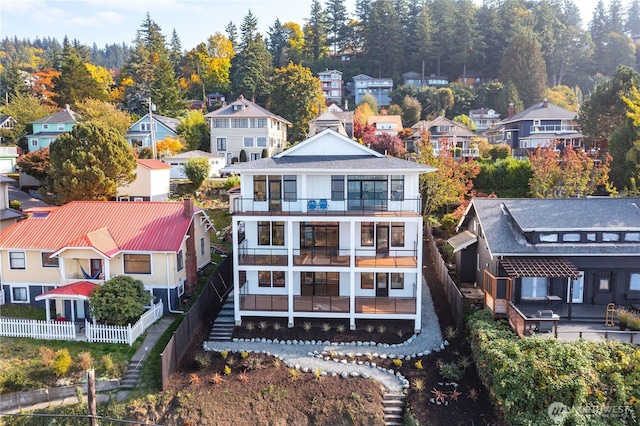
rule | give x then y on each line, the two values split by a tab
152	128
66	251
328	229
245	127
446	134
47	129
573	256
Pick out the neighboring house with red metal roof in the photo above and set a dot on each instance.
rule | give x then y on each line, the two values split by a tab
151	184
162	244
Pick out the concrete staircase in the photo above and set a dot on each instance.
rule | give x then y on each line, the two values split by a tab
393	407
131	377
223	325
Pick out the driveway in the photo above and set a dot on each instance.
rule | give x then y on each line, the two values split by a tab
25	199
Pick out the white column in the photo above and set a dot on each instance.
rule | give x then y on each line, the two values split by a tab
236	273
352	275
289	282
48	309
418	320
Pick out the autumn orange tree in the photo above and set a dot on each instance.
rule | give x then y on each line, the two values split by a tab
451	184
170	146
43	85
567	173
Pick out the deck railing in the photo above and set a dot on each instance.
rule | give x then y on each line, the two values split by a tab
128	334
525	326
326	206
37	329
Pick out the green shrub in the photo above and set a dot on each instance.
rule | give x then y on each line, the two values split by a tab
107	365
62	362
15	204
525	376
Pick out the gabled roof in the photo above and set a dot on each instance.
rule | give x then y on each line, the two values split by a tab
6	118
541	112
100	240
250	110
152	164
103	225
327	152
373	120
168	122
504	223
460	130
329	72
64	116
80	290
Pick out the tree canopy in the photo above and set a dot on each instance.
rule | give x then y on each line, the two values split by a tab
119	301
90	163
197	170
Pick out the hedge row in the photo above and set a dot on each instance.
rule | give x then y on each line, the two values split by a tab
598	382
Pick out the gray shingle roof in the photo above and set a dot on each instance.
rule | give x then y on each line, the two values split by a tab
327	163
64	116
503	222
251	110
540	112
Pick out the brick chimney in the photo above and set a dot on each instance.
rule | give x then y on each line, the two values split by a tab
512	110
188	207
545	103
191	258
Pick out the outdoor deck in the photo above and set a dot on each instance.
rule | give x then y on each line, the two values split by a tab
337	304
323	259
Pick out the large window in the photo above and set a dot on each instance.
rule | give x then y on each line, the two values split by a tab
259	123
49	262
17	260
137	263
271	279
397	188
260	188
247	142
290	188
221	144
366	280
240	123
397	234
270	233
220	123
320	236
634	282
366	234
367	192
397	281
337	188
320	283
534	287
261	142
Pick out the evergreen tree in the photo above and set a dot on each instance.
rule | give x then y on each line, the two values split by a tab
90	163
75	83
337	28
277	42
11	82
419	49
232	34
315	31
248	30
251	69
383	41
632	24
466	38
616	18
523	65
175	53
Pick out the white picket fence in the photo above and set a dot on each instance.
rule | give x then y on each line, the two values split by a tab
123	334
36	329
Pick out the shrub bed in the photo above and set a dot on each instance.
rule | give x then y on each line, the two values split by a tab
598	382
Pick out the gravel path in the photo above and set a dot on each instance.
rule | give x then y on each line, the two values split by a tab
309	356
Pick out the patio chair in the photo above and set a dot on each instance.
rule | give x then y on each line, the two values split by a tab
312	206
546	327
323	206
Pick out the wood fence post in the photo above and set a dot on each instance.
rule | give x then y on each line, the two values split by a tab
91	396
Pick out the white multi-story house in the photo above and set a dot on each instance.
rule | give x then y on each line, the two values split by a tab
379	88
331	85
484	119
328	229
246	126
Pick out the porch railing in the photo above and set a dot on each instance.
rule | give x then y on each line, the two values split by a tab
385	305
633	336
264	302
128	334
336	304
37	329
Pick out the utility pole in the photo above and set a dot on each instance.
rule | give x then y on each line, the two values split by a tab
153	134
91	397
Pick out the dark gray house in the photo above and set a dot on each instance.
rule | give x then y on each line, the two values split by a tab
572	255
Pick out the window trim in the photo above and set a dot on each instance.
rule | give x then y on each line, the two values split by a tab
635	275
24	260
536	282
128	272
46	256
202	247
179	261
27	294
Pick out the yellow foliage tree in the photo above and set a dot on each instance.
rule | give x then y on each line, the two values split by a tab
169	146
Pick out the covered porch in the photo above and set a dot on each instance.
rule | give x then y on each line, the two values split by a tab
76	294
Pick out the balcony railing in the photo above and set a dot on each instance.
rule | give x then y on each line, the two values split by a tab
329	257
75	277
335	304
552	128
324	207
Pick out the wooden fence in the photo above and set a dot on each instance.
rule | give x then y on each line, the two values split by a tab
210	300
128	334
454	296
37	329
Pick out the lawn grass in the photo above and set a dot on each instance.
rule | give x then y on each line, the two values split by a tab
23	311
21	366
